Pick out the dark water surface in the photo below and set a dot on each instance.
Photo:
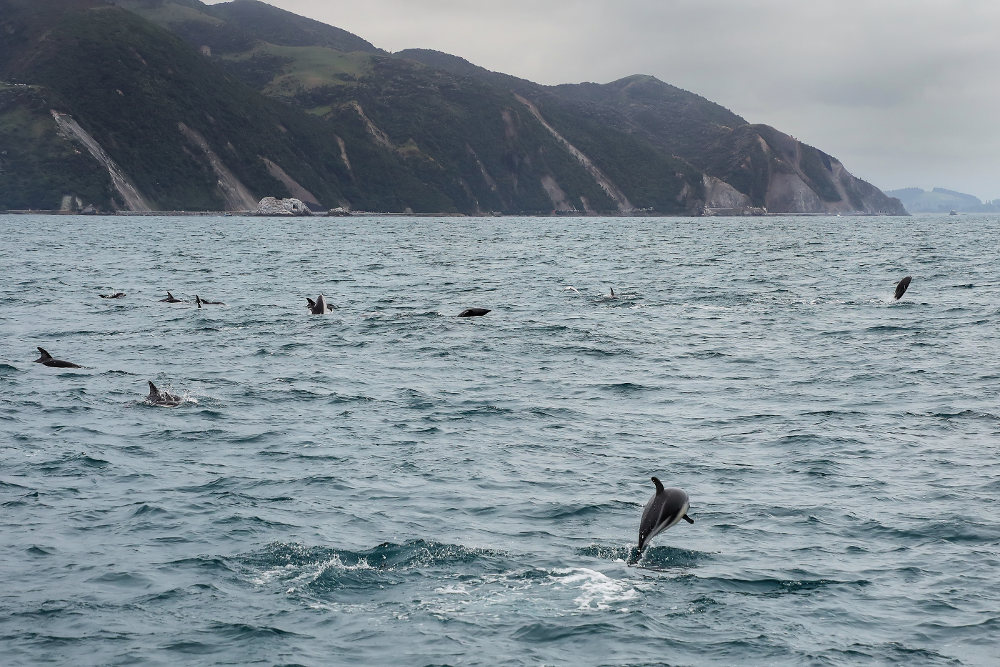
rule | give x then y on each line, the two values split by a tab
390	484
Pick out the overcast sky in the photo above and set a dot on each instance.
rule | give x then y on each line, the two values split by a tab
904	92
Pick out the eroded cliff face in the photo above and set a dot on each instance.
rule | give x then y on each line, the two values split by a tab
131	199
776	171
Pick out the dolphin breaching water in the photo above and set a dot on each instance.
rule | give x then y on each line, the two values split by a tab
474	312
170	299
115	295
664	509
901	287
319	306
47	360
164	398
199	301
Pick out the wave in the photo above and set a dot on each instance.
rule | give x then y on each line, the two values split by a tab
545	632
653	558
770	586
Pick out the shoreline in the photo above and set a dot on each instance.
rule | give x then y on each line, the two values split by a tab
359	214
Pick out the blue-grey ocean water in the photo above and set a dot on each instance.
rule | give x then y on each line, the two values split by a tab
393	485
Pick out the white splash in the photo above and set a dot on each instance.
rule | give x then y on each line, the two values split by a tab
598	592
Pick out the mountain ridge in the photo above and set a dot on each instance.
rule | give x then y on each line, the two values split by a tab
197	102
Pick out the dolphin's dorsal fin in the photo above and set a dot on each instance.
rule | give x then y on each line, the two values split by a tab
659	485
312	304
687	518
153	391
197	300
45	355
612	291
169	295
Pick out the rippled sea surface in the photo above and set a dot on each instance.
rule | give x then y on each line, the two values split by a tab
392	484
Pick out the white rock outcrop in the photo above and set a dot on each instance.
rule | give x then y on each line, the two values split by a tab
274	206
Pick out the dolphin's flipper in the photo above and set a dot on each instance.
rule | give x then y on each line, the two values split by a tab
687	518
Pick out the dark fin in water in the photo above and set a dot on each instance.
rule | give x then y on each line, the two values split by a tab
901	287
197	300
45	356
311	303
658	483
688	519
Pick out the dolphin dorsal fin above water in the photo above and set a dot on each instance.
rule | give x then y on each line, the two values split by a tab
45	355
659	485
153	391
197	300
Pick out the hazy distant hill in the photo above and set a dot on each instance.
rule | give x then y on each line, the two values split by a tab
940	200
173	104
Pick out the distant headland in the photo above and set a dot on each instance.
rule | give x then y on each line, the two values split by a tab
940	200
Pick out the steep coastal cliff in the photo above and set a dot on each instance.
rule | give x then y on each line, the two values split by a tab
174	104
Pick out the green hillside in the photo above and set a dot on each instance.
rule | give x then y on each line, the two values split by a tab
200	106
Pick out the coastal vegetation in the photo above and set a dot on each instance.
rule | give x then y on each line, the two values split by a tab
197	102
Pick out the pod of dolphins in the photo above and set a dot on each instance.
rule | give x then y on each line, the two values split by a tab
666	508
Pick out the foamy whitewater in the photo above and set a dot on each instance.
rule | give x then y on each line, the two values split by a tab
392	484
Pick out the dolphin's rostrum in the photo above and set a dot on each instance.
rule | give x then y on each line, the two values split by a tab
664	509
901	287
47	360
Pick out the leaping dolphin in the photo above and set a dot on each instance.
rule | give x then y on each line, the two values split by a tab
164	398
901	287
664	509
474	312
170	299
47	360
319	306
